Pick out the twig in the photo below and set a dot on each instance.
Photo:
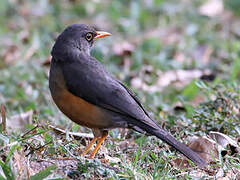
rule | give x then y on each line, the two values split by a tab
3	114
38	148
30	131
84	135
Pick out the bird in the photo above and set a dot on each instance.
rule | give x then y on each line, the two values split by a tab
90	96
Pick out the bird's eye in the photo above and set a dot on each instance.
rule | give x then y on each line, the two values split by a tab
89	36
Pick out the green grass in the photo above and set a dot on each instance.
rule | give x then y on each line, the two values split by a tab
161	32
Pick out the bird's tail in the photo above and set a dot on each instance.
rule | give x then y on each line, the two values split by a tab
169	139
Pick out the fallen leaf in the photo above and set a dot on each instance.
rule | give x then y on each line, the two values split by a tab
122	49
3	118
21	163
11	54
24	36
178	78
181	57
203	53
47	61
169	35
18	122
219	174
112	159
205	147
211	8
64	165
181	163
199	174
224	141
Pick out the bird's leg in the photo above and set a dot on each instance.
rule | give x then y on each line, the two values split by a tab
89	146
101	139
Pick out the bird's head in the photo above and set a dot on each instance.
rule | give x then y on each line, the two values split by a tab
78	36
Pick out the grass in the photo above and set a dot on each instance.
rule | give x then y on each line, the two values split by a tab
164	36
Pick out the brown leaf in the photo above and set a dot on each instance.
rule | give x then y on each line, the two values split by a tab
18	122
21	162
233	173
11	54
24	36
122	49
3	118
181	57
181	163
205	147
47	61
178	78
203	53
169	35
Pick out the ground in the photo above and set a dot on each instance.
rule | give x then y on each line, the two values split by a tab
181	58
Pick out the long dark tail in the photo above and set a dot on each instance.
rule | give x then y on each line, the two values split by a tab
169	139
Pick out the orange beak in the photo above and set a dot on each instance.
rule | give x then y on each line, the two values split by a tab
101	34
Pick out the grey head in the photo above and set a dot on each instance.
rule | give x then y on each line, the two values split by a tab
78	37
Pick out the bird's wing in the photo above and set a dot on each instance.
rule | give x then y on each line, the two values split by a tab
89	80
134	97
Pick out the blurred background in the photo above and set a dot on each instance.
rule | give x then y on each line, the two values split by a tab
181	57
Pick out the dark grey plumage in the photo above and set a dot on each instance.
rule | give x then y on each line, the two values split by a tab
85	77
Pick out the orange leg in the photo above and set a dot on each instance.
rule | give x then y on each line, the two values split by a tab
98	145
89	146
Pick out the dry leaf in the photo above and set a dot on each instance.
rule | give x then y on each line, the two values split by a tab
169	35
211	8
11	54
203	53
179	78
21	163
205	147
224	141
3	118
183	76
219	174
18	122
180	57
112	159
47	61
199	174
172	35
127	143
181	163
63	165
122	49
24	36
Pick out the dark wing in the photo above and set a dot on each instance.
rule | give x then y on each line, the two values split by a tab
135	98
89	80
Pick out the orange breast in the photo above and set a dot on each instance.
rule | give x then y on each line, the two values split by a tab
82	112
77	109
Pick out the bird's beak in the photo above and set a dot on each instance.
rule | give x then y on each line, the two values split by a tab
101	34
